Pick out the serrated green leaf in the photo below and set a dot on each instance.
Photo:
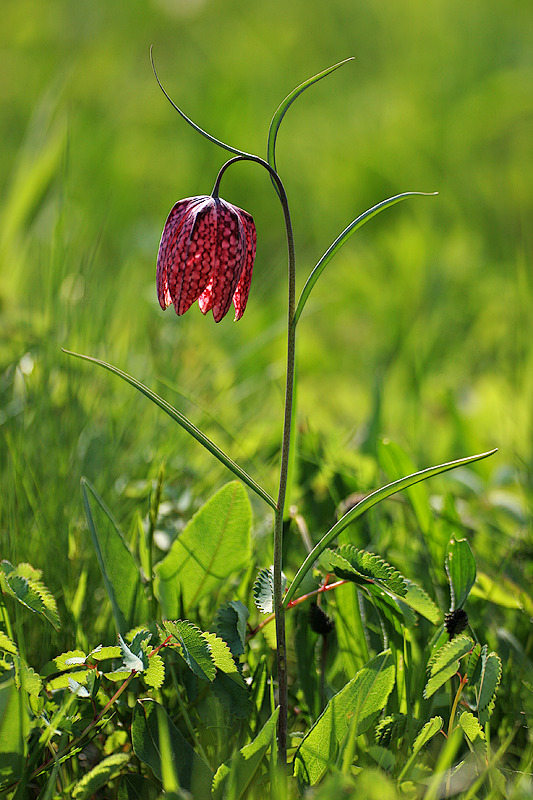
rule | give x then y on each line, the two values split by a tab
263	589
461	569
119	571
233	778
427	732
367	503
7	644
185	423
214	545
440	679
471	727
417	599
154	676
449	652
361	566
102	653
69	658
491	673
62	681
26	678
98	776
22	583
193	773
357	704
228	685
230	624
473	665
193	647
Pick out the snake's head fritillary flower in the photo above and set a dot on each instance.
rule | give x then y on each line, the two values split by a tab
206	253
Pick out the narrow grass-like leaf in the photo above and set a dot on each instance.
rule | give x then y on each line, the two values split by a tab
263	590
189	121
351	563
185	423
356	704
230	624
461	569
287	103
451	651
98	776
233	778
491	673
192	646
120	573
215	544
343	237
368	502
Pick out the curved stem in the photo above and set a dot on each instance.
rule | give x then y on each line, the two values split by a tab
279	609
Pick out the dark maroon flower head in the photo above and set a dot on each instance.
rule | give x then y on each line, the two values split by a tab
206	253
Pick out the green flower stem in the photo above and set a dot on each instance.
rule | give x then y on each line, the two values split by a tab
279	609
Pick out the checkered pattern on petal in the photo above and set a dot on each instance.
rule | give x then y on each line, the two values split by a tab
229	258
166	247
240	297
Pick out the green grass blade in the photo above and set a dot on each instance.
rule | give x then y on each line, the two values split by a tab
368	502
357	223
287	103
185	423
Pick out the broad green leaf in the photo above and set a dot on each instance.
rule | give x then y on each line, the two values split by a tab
263	590
228	685
70	658
471	727
491	673
101	653
360	566
286	104
117	565
417	599
461	569
343	237
427	732
192	645
193	772
13	733
27	679
100	775
396	463
364	505
357	704
23	583
230	624
214	545
451	651
233	778
440	679
186	424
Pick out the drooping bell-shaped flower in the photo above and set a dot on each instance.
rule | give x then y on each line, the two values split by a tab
206	253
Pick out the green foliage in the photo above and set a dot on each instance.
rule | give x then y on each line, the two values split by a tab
214	545
263	590
230	623
100	775
360	566
353	710
192	646
23	583
461	569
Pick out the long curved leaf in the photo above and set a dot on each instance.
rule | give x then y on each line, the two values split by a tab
368	502
185	423
357	223
287	103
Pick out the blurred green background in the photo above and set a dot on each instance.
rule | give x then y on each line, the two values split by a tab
420	330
